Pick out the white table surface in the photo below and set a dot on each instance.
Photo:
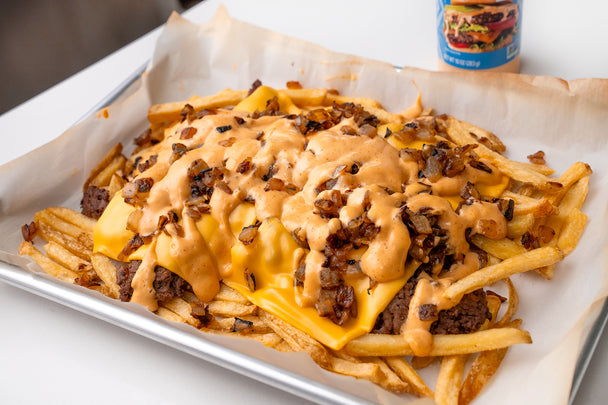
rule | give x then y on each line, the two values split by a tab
52	354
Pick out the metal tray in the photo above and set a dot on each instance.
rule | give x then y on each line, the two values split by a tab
196	345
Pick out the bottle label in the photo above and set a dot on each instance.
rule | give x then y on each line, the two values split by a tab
478	36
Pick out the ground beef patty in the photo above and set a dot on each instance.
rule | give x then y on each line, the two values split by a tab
94	201
466	317
166	284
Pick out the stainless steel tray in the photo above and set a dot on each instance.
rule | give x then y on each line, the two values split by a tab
196	345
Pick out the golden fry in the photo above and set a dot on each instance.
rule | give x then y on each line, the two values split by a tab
106	272
64	257
448	380
501	248
572	231
443	345
231	309
50	267
400	366
483	368
524	262
460	133
171	111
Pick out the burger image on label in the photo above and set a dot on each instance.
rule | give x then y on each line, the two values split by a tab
480	26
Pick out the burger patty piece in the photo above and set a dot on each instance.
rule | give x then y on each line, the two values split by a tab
94	201
166	284
466	317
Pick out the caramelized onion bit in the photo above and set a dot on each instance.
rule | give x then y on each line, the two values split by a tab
421	224
250	278
274	184
476	164
226	143
28	231
271	110
136	192
338	304
300	238
244	166
328	207
529	241
134	243
348	130
241	325
269	173
248	234
196	167
205	112
201	313
368	130
196	207
144	139
506	206
187	133
222	185
326	185
187	113
470	192
537	158
254	86
432	169
179	150
87	278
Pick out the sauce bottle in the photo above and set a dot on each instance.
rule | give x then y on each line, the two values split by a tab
479	35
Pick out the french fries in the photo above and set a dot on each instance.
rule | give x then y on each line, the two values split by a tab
544	222
443	345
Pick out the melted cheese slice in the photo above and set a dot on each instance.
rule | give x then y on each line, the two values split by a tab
271	258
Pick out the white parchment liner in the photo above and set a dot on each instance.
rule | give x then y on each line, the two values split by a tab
568	121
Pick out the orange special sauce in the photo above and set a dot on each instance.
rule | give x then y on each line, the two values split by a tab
251	153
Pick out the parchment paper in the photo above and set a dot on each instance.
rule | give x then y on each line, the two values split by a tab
568	121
